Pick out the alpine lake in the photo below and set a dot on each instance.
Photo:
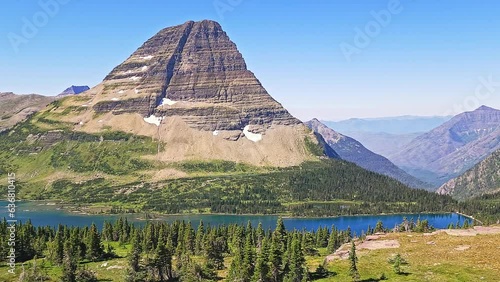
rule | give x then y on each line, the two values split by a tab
52	214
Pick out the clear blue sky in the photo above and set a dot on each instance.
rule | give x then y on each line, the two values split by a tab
426	60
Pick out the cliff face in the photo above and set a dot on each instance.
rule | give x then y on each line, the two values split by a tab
189	87
194	71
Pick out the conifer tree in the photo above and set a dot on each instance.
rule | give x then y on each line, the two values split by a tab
397	262
379	227
297	268
69	264
280	234
94	247
259	234
189	238
353	260
248	257
235	270
163	262
214	249
275	259
200	232
59	244
332	240
261	272
149	240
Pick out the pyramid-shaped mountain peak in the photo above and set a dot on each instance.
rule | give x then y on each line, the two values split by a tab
194	65
485	108
189	87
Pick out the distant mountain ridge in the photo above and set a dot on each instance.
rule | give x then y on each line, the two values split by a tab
483	178
391	125
15	108
385	144
351	150
452	148
73	90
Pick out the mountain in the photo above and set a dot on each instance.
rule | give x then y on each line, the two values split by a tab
73	90
351	150
16	108
483	178
392	125
452	148
386	135
385	144
183	126
191	79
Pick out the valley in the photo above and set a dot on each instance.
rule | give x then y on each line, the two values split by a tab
177	164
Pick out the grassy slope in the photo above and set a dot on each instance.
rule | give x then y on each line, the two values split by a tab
427	262
116	167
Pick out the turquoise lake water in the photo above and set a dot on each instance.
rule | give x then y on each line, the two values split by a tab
42	214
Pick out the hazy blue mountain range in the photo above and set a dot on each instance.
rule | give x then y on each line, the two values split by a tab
382	143
351	150
452	148
391	125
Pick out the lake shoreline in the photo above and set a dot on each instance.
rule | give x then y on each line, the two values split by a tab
50	213
72	208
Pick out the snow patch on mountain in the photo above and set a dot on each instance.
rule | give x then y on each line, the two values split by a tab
154	120
255	137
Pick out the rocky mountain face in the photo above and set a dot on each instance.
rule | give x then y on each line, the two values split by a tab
73	90
452	148
351	150
189	87
483	178
16	108
195	71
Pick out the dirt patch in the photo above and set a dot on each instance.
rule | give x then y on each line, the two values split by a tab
343	255
487	229
379	244
372	237
462	248
473	232
461	232
434	233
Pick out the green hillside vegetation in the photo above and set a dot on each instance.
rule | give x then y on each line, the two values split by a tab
485	208
115	168
483	178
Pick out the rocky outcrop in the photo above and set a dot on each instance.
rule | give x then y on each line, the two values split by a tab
353	151
134	105
201	73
